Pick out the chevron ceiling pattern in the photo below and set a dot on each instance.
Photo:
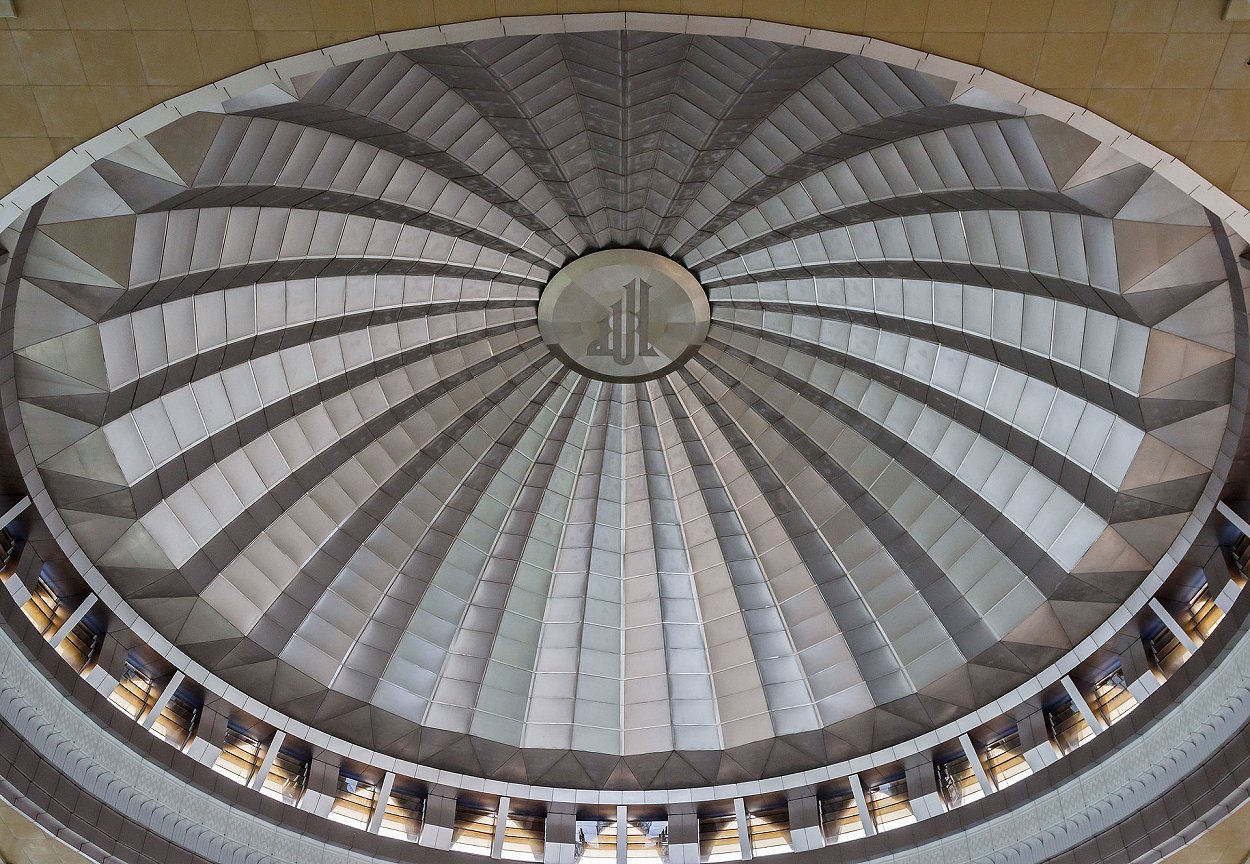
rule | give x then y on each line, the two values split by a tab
967	374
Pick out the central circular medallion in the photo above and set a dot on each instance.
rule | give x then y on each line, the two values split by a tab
624	315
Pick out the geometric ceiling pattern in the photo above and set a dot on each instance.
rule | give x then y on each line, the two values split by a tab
967	375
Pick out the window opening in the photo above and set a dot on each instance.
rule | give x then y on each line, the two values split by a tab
523	836
1068	728
176	723
958	783
240	757
1166	652
287	778
840	818
135	692
647	839
1111	698
769	831
44	609
718	838
81	646
474	831
402	816
353	801
889	805
1201	614
1005	762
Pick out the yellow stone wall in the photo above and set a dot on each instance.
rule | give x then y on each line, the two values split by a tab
1169	70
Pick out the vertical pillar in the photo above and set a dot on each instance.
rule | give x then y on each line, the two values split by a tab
501	825
1082	704
162	699
622	833
14	511
26	570
922	787
210	732
806	830
110	662
440	818
1172	624
74	619
1224	577
1238	521
1035	741
744	829
271	753
978	768
11	556
683	834
384	795
1219	569
323	785
1135	664
861	806
560	834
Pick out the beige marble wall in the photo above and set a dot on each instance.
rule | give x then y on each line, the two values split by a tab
24	842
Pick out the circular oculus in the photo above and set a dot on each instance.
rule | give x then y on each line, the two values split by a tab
624	315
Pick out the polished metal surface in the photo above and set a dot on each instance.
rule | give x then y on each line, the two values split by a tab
624	315
335	392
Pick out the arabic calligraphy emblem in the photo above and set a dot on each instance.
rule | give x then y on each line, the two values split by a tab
624	333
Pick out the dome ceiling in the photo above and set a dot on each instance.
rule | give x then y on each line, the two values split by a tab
281	369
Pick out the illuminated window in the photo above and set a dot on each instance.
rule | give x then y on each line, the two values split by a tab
840	818
718	838
889	805
523	836
402	816
240	757
80	646
44	609
287	777
1201	615
47	612
769	831
647	839
474	830
176	722
1005	762
135	693
1067	726
1166	651
595	838
958	783
1111	699
353	803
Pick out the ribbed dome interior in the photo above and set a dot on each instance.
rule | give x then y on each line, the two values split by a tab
280	369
